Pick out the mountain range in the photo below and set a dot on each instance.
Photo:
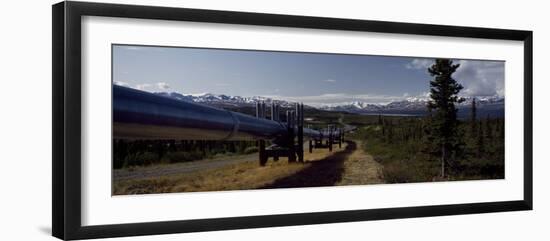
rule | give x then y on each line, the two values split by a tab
487	105
225	100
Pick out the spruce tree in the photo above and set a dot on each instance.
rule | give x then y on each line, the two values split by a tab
384	128
390	132
501	129
480	142
443	97
488	128
473	119
489	135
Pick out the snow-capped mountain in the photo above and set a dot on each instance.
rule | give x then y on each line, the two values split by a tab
493	105
224	100
361	107
486	105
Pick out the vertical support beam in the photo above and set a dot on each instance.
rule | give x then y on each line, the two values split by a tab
302	114
310	146
262	151
172	145
265	110
288	119
291	136
319	142
201	147
300	120
330	138
260	113
273	111
340	138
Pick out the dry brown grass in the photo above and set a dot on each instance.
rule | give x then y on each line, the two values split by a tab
361	169
248	175
234	177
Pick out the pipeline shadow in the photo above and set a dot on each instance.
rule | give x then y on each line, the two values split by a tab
325	172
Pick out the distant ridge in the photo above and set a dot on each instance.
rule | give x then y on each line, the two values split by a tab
486	105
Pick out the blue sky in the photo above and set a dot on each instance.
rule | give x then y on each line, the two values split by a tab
313	78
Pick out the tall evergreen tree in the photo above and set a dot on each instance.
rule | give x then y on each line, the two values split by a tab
480	142
473	119
443	97
389	131
384	128
501	129
488	128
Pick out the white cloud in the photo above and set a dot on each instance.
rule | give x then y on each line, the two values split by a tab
142	48
133	48
481	78
419	64
121	83
329	80
163	85
143	86
153	87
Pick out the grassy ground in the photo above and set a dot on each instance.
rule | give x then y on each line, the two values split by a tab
241	176
361	169
405	162
321	168
165	169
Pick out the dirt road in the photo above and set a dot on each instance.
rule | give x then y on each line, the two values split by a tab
360	168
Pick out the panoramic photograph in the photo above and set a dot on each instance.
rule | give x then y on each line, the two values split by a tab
203	119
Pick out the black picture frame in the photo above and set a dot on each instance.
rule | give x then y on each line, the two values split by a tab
66	75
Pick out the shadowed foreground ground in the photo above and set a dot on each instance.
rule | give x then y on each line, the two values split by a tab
325	172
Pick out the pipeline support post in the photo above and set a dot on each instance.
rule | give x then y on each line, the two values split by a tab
330	138
275	117
291	121
260	113
340	138
300	120
262	152
343	136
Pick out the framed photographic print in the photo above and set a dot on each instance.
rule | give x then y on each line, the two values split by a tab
170	120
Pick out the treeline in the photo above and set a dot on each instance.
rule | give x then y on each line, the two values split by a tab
483	138
146	152
405	148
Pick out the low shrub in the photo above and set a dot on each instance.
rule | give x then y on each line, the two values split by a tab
397	174
141	159
250	150
181	156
